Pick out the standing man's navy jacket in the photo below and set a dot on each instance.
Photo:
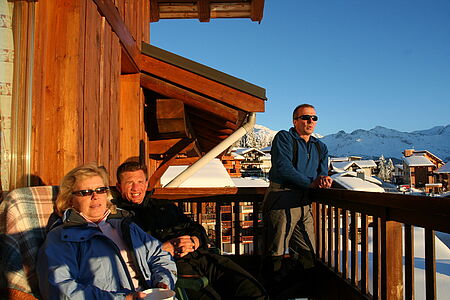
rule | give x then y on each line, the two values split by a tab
306	170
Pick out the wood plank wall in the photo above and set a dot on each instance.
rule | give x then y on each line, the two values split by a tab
78	105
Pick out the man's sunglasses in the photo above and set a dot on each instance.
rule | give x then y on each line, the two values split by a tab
307	117
99	190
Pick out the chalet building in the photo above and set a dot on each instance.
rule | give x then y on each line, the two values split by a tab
251	166
418	167
398	175
233	164
443	176
367	167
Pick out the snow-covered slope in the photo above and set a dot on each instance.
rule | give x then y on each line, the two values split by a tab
389	142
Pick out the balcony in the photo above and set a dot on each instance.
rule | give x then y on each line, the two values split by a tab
368	266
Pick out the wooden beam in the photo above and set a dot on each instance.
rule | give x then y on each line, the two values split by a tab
202	85
154	11
204	124
180	147
257	10
171	10
130	116
211	119
189	98
203	10
185	161
171	118
156	147
130	48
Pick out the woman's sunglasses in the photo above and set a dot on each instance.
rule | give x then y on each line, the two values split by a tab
83	193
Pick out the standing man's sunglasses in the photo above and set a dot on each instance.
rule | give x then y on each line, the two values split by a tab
307	117
99	190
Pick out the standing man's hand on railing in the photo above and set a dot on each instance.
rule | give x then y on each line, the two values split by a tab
322	182
325	182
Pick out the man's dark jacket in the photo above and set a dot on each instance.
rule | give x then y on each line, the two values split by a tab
162	219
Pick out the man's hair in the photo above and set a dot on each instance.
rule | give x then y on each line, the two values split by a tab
64	199
131	166
299	107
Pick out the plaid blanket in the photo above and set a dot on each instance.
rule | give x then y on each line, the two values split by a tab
24	214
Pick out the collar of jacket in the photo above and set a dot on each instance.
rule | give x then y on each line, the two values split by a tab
294	133
72	218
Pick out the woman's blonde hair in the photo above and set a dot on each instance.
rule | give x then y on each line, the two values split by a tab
64	199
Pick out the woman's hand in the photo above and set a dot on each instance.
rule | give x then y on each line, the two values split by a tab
136	295
162	285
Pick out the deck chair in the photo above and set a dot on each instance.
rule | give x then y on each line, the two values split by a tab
24	214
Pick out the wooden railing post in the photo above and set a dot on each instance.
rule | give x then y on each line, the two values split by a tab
391	260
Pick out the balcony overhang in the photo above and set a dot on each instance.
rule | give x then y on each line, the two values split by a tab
204	10
191	107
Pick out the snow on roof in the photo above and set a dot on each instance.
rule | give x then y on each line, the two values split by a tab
423	152
344	165
357	184
369	163
249	182
444	169
371	179
246	150
213	174
339	159
237	156
350	181
417	161
341	166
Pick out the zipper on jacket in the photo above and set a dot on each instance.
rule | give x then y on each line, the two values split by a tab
124	264
125	227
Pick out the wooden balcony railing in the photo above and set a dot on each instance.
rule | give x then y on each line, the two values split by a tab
339	217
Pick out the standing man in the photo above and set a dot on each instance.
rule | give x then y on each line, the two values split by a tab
299	162
185	239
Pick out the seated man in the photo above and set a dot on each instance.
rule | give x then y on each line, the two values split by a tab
183	238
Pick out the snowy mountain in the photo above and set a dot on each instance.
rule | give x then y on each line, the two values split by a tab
369	143
261	137
389	142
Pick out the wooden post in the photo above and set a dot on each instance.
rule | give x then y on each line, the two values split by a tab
391	260
130	110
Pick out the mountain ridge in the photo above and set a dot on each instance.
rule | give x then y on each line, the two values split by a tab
369	143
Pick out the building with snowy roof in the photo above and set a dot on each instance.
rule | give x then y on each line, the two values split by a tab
366	166
418	167
443	176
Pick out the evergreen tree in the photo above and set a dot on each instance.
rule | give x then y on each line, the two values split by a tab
390	170
382	169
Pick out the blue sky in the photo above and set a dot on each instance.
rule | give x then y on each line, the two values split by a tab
361	63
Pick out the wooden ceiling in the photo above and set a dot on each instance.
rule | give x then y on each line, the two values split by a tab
191	108
204	10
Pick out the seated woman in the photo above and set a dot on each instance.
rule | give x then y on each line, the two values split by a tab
94	251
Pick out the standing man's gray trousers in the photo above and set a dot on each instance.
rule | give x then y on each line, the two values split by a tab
288	224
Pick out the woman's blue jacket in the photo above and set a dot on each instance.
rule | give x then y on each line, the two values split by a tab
78	261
